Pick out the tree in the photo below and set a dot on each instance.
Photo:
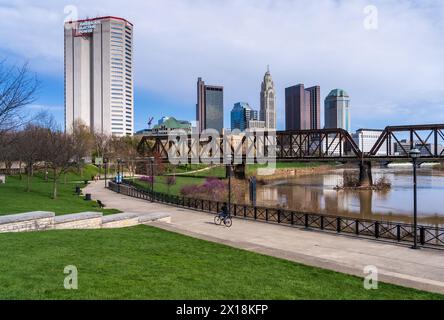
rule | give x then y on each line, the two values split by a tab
59	154
7	150
83	141
31	145
17	89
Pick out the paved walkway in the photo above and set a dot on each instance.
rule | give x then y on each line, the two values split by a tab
398	264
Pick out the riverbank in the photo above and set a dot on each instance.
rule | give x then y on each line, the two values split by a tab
288	173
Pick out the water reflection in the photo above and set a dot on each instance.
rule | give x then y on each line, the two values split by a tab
316	193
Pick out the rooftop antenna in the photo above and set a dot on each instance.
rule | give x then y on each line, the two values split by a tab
268	68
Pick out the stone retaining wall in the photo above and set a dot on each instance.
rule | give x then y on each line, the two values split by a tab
42	221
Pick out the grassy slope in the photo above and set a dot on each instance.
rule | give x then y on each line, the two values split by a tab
147	263
160	185
14	198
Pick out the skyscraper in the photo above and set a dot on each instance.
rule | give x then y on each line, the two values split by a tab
99	75
268	102
241	115
337	110
297	108
315	107
209	107
302	108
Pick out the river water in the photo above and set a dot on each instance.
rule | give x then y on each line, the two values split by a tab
316	193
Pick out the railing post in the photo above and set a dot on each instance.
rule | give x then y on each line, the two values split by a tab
377	230
292	218
357	227
255	213
306	220
338	225
266	214
245	211
235	210
279	216
398	233
322	222
422	239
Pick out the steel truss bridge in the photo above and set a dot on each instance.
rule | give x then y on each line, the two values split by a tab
393	144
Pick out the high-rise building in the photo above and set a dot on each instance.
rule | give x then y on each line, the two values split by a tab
302	108
99	75
268	102
297	108
241	115
209	107
337	110
315	107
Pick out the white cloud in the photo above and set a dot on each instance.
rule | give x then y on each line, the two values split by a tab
395	69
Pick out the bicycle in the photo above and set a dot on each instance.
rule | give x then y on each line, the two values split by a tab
226	219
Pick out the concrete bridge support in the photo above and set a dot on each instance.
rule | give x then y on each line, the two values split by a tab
365	174
239	171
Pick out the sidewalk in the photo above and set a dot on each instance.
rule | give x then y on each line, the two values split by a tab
397	264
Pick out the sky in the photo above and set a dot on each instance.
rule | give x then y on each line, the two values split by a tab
388	55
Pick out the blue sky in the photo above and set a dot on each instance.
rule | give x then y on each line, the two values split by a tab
388	55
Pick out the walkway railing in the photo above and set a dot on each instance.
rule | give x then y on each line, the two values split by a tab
382	230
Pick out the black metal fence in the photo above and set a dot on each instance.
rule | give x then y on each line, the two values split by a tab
383	230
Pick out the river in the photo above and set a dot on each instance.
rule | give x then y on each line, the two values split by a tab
316	193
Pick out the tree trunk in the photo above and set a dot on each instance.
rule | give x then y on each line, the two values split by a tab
28	178
20	170
54	187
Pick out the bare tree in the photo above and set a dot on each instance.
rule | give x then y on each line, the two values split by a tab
30	147
7	150
59	154
17	89
83	141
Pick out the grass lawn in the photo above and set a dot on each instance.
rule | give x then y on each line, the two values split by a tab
160	184
15	199
148	263
252	168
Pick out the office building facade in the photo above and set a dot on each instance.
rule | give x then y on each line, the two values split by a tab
209	107
297	108
241	115
268	102
315	107
99	75
302	108
367	138
337	110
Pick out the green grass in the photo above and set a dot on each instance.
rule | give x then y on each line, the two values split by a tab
161	186
148	263
15	199
252	168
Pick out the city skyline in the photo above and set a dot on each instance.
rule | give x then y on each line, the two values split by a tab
384	86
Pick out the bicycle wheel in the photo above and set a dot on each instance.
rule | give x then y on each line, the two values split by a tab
217	220
228	222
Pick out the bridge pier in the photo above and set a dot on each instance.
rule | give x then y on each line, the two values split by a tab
238	171
365	174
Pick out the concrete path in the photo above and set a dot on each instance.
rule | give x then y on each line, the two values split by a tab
397	264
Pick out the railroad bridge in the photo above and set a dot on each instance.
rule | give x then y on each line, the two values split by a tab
394	144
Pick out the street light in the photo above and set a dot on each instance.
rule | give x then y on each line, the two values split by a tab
230	161
118	175
151	159
105	163
415	154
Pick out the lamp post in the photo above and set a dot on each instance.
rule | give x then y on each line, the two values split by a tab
105	164
229	160
415	154
151	159
118	175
